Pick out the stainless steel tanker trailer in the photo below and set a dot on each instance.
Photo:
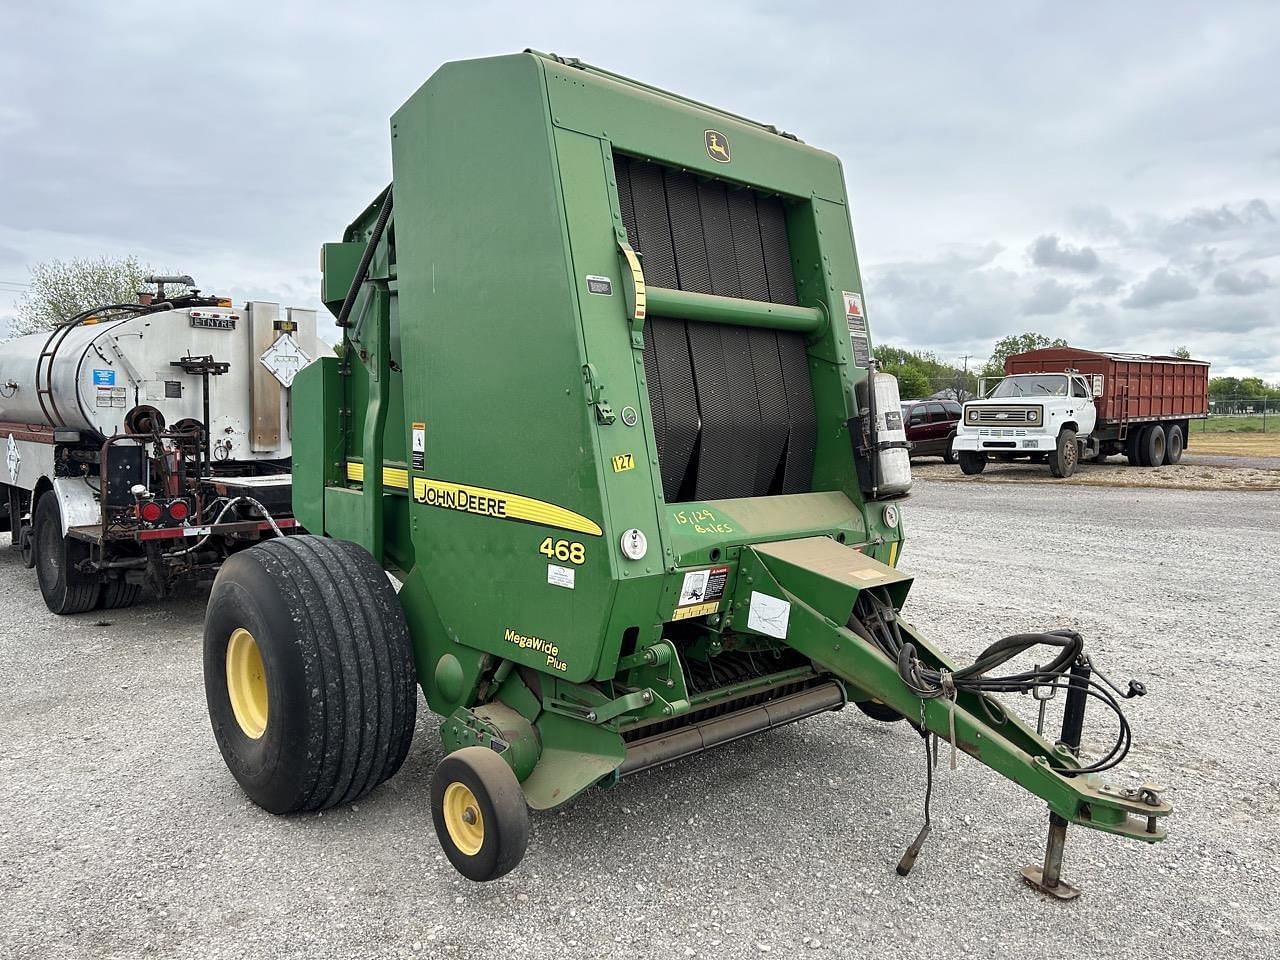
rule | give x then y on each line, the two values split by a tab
145	442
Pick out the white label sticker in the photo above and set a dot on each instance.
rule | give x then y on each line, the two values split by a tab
560	576
694	589
768	615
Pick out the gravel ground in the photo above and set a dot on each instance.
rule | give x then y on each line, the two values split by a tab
1193	473
122	835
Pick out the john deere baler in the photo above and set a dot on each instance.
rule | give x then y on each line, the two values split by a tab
605	407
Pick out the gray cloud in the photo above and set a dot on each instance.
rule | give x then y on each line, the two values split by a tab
1237	284
1050	251
1105	286
1160	286
1049	297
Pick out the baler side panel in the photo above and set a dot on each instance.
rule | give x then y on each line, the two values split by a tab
485	287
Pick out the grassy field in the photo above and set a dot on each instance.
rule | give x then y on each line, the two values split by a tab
1236	444
1255	424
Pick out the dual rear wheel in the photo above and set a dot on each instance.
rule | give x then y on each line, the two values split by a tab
312	693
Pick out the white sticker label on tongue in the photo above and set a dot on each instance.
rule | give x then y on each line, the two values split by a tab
768	615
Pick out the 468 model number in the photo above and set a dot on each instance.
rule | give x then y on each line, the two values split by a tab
565	551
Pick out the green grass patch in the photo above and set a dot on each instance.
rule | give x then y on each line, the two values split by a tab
1241	424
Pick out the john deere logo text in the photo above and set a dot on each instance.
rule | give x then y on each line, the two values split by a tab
717	146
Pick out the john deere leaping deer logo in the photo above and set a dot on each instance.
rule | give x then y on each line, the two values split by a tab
717	146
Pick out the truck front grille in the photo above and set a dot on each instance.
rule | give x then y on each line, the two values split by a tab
1004	416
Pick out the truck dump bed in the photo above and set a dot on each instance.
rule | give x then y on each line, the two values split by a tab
1135	387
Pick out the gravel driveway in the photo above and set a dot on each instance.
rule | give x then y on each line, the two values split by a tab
122	835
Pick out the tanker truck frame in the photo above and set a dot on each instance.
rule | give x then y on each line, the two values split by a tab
145	442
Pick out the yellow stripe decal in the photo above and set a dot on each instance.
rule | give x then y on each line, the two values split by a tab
637	276
391	476
893	553
501	504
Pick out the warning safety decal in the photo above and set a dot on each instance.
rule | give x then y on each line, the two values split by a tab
701	592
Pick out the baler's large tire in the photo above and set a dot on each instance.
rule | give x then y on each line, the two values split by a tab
1153	446
1066	457
118	593
308	673
971	463
64	588
1174	443
480	814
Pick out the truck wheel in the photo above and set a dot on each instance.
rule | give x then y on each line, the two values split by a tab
308	673
118	593
972	463
1133	448
64	588
1063	460
1173	444
949	455
479	812
1153	446
27	547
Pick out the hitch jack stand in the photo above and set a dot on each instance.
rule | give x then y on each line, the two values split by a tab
1047	877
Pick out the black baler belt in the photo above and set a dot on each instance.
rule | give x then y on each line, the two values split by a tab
713	203
622	173
772	401
679	400
657	403
797	473
686	232
746	245
777	251
653	229
728	410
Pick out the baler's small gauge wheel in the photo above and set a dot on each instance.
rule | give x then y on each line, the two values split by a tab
480	813
308	673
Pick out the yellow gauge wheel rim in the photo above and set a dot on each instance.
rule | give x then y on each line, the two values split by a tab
463	819
247	683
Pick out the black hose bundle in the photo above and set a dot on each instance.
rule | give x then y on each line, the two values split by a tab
875	620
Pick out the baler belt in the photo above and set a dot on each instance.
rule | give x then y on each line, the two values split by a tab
732	407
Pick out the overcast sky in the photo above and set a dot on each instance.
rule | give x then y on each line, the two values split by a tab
1109	173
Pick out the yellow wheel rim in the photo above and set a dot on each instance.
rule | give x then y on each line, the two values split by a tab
247	683
463	819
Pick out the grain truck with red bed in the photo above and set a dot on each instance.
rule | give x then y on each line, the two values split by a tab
1063	405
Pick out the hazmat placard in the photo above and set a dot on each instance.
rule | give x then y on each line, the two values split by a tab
284	358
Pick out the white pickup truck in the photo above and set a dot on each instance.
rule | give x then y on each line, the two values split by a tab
1039	416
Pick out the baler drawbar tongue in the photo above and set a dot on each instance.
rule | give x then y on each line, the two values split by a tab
838	606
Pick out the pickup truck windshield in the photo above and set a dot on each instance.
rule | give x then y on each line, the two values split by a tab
1052	385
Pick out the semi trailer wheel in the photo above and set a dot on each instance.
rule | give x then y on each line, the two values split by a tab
971	463
64	588
1063	460
27	547
479	812
1174	443
1153	446
308	673
117	594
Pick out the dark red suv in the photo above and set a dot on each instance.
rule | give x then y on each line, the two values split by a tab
931	426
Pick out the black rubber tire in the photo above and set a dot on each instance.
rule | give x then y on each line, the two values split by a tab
117	594
1064	460
341	690
879	711
27	547
502	808
65	590
949	455
1174	443
1153	446
1133	448
972	463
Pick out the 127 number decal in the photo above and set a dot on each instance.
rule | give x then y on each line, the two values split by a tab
565	551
